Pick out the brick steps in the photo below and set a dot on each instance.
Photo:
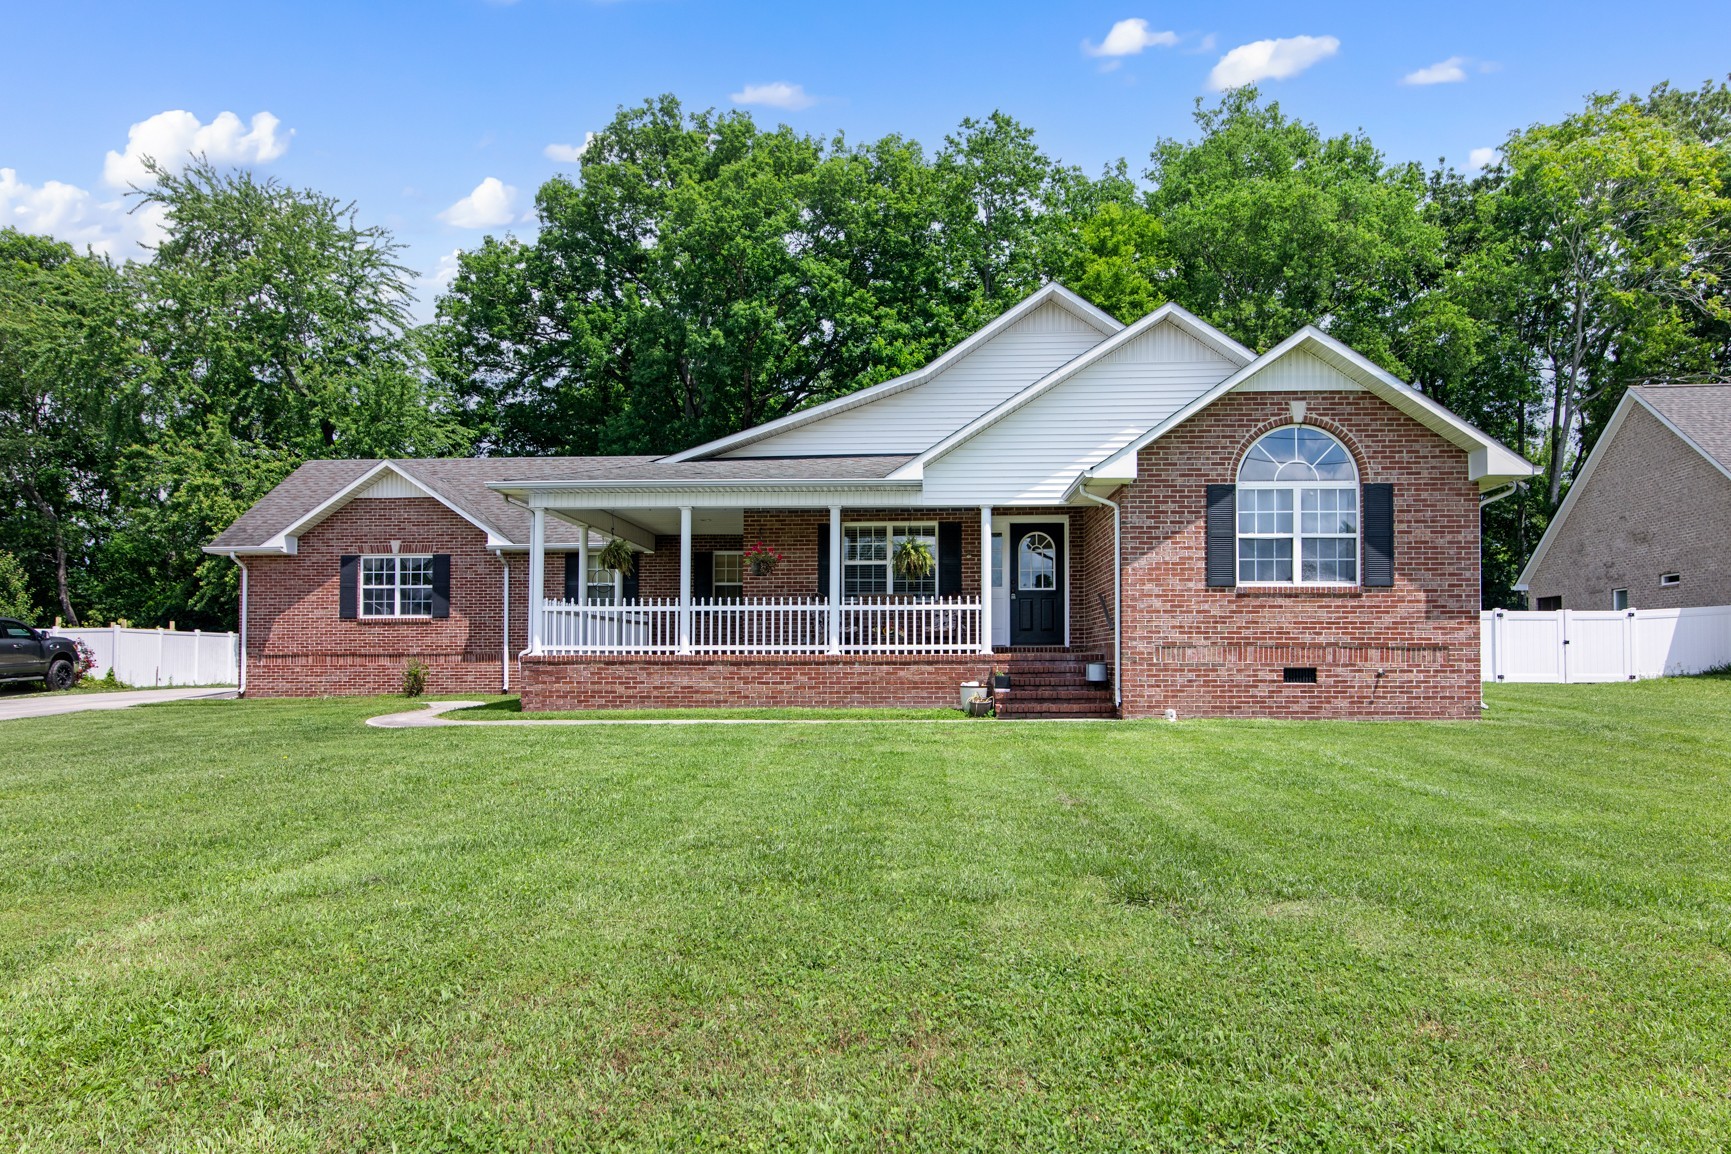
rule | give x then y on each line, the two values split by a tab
1052	685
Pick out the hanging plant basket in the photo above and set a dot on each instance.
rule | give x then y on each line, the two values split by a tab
761	560
914	561
619	557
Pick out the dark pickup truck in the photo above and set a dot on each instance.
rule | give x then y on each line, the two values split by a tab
29	655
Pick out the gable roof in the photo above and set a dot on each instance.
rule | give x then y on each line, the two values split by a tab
1166	314
1699	415
1051	293
1490	462
318	488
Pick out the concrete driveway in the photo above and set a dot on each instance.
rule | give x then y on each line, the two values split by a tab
52	703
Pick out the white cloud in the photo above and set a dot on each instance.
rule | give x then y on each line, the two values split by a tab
1450	71
443	273
173	138
779	94
568	153
1129	38
1481	158
1270	60
490	205
77	216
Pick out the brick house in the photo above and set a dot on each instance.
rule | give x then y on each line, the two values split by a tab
1217	533
1647	522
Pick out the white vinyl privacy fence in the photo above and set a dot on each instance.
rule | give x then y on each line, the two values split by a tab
1572	645
152	657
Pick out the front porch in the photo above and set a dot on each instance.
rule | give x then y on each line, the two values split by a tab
832	622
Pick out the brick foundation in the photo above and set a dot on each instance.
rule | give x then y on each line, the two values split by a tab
767	681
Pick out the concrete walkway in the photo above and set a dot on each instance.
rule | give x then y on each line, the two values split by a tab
427	717
52	703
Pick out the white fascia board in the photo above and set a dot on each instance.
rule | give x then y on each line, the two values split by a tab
347	493
284	549
1053	292
1489	462
1188	322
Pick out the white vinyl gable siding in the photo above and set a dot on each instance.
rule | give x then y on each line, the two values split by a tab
1034	453
391	484
914	420
1300	371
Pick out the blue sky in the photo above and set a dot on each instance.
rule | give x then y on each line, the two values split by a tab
437	117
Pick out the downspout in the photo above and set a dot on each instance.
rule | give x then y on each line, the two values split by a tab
1117	594
241	690
505	626
523	505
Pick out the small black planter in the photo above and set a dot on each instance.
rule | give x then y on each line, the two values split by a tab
1000	681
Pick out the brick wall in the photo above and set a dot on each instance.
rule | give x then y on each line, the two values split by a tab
1652	506
762	681
1221	652
298	645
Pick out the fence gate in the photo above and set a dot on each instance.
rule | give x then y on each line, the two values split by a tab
1564	646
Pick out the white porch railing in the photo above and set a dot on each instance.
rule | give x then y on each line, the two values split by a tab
763	625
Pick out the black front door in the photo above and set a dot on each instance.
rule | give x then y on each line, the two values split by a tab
1037	584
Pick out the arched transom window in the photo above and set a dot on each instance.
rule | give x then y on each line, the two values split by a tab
1037	564
1298	500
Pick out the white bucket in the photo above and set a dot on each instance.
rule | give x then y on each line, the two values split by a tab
971	691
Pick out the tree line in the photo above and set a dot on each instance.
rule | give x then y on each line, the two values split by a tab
699	274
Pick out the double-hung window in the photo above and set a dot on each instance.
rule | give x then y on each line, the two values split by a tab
397	586
868	560
1298	510
728	577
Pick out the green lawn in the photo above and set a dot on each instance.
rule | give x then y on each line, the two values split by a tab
511	709
263	926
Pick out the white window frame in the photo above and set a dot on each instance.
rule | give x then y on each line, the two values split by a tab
1670	580
1297	535
396	586
1619	595
715	582
893	531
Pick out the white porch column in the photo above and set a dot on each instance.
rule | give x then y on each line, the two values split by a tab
685	579
985	578
835	579
582	564
537	576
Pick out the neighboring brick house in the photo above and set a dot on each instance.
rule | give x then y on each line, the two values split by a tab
1647	523
1223	534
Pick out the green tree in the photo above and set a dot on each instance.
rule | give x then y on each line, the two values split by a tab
1612	216
70	404
1269	226
15	599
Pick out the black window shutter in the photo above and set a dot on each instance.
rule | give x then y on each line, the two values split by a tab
823	561
441	584
1222	526
629	585
702	574
1378	536
348	596
573	578
949	559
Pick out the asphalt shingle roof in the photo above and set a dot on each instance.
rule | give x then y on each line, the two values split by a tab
1702	412
463	481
